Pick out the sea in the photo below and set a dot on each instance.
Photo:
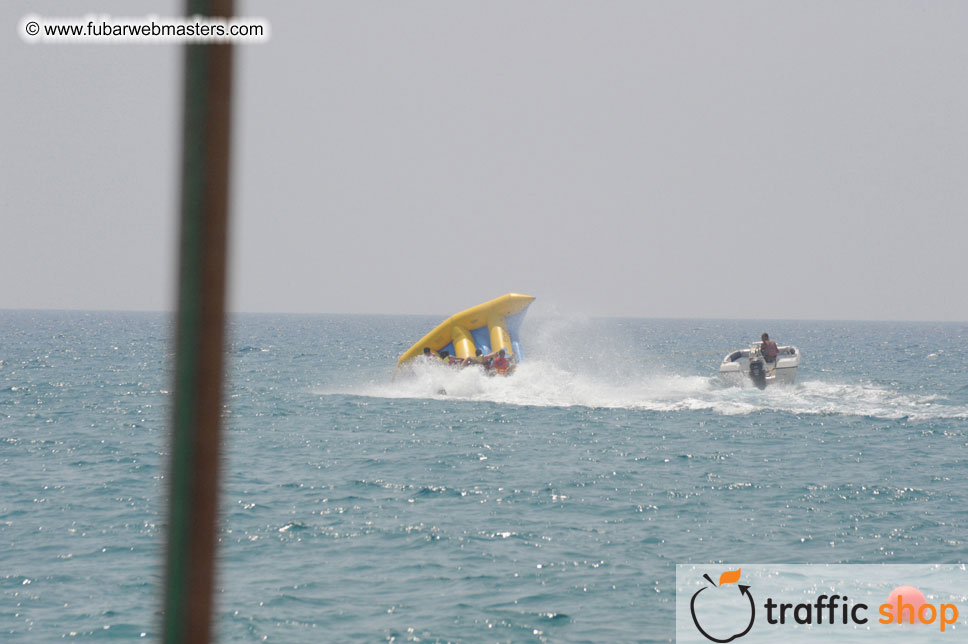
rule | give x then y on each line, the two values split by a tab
441	505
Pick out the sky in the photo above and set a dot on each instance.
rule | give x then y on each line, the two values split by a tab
701	159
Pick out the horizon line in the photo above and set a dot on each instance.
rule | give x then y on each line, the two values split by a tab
538	315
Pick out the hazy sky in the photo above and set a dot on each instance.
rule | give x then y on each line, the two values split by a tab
657	159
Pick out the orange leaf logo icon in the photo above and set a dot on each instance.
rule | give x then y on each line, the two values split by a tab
729	577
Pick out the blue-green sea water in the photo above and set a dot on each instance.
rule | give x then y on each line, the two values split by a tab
551	506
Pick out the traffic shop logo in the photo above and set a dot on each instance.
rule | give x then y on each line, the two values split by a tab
726	611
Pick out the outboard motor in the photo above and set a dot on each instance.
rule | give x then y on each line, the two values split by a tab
758	373
757	366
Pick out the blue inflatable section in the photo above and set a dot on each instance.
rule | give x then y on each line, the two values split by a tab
514	325
482	339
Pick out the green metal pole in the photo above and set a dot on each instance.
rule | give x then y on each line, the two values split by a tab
200	337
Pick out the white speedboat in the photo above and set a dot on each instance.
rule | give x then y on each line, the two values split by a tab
748	365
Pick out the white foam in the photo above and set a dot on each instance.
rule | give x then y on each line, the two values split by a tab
539	383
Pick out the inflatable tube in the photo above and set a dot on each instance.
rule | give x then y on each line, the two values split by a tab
489	327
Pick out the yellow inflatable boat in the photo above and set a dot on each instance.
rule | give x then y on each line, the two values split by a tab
490	326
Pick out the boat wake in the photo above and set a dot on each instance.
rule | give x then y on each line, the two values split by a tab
546	385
